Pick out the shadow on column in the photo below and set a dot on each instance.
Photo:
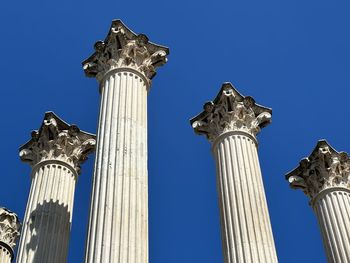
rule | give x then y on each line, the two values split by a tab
49	233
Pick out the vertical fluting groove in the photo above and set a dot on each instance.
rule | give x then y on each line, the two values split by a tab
236	193
251	227
126	179
139	174
106	169
59	253
324	231
119	173
258	228
129	172
263	209
61	221
42	212
338	244
134	259
121	160
95	186
236	245
65	237
334	222
347	204
114	173
242	212
133	244
223	214
230	200
331	231
340	222
123	89
57	214
266	217
227	196
95	201
146	177
344	217
49	239
252	200
125	225
219	187
245	225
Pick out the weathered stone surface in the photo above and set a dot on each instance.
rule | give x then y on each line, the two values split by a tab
9	233
231	123
55	154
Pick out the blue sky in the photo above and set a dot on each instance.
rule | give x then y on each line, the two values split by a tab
292	56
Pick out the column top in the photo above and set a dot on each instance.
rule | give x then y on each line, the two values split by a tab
9	229
57	140
325	168
123	48
230	111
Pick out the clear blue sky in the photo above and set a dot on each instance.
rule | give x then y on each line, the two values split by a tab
293	56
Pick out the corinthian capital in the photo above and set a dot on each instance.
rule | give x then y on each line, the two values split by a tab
9	228
57	140
124	48
324	168
230	111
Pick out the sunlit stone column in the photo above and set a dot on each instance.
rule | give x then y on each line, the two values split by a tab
55	153
324	177
124	65
231	123
9	233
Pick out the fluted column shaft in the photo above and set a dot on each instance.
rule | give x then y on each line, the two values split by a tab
332	209
245	223
48	217
118	226
55	153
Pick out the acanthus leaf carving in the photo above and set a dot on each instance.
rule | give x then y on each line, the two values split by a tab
9	227
56	140
123	48
230	111
325	168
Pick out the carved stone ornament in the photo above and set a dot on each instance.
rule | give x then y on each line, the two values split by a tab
230	111
324	168
9	228
124	48
57	140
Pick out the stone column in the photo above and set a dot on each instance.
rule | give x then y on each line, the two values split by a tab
9	233
231	123
324	177
55	153
124	65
